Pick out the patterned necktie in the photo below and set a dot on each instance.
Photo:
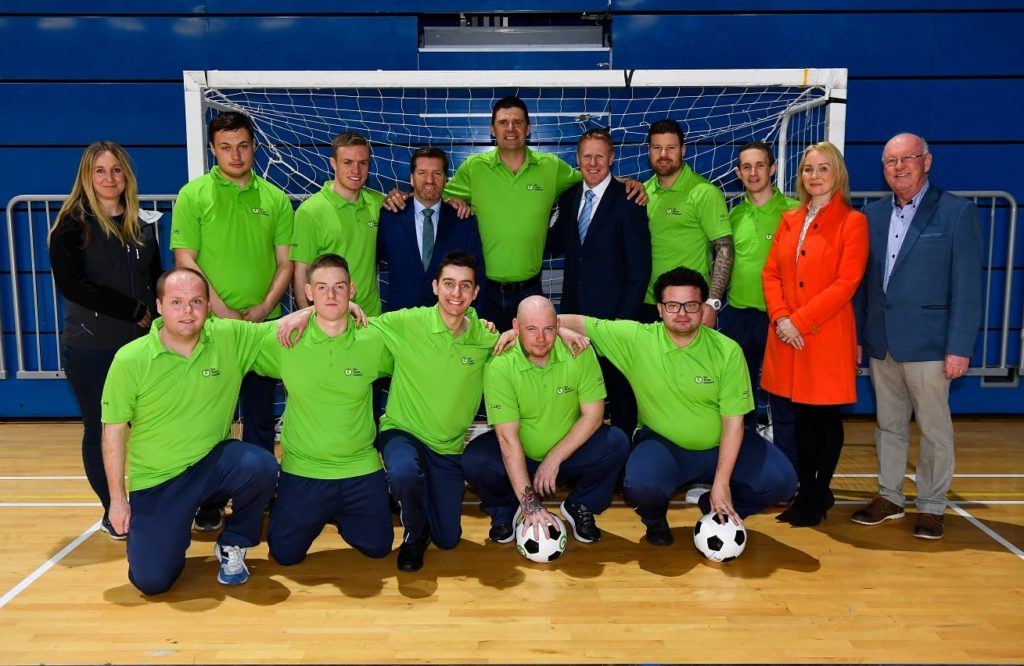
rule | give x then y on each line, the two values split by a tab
428	236
588	207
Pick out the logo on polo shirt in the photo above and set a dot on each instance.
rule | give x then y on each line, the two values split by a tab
467	360
260	211
673	211
561	390
211	372
353	372
372	223
536	187
768	236
494	405
704	379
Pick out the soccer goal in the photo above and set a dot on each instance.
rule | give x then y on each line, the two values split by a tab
297	114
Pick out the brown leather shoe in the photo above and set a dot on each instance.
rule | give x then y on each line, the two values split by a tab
878	510
929	526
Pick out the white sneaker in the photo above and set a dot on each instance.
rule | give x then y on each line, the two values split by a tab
232	564
694	492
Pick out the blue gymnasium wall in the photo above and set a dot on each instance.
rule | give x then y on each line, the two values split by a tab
73	71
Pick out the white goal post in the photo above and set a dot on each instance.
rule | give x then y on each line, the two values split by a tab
297	113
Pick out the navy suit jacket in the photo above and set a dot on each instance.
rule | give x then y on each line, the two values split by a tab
606	276
409	285
934	301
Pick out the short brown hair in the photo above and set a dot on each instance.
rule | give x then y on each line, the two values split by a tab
348	139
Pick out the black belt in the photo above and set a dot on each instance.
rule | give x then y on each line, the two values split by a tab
515	286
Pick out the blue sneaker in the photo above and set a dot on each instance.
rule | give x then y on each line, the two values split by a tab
232	564
108	528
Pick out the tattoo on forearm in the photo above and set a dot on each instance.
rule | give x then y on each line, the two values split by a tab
722	267
531	502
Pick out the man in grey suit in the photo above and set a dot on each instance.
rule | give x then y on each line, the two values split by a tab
918	311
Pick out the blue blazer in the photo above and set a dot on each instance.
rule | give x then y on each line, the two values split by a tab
408	284
606	276
934	301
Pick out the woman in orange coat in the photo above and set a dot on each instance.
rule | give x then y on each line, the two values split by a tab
815	264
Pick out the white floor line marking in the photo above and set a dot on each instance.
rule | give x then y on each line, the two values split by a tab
42	478
46	504
46	566
987	530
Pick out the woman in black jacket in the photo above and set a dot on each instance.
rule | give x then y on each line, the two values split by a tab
105	261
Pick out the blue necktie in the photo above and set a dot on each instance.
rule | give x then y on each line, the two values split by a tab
588	207
428	236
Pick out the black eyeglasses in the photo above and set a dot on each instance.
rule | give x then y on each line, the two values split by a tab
672	307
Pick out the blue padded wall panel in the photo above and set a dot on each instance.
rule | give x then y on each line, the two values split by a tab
942	109
70	113
860	42
78	7
880	6
404	6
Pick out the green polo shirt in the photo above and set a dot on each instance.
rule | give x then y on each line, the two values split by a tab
234	231
328	420
684	219
328	222
752	231
546	401
438	378
179	408
512	209
682	393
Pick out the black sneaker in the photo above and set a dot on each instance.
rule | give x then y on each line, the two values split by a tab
581	519
209	519
659	534
410	553
106	526
501	533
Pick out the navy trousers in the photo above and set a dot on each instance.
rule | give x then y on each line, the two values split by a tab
357	505
86	370
593	469
160	529
749	328
428	487
657	468
256	406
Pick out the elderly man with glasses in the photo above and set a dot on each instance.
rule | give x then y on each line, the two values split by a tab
918	312
692	389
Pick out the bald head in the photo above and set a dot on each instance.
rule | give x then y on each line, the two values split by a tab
537	325
906	161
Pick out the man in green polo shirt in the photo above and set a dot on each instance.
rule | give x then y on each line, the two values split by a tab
688	220
692	390
547	409
330	472
177	388
342	219
754	221
236	229
436	388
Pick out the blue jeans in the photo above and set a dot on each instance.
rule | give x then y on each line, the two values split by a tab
657	468
593	468
160	529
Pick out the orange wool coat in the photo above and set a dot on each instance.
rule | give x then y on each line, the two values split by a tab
815	293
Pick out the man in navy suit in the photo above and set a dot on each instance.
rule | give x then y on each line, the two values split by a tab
918	311
414	239
607	247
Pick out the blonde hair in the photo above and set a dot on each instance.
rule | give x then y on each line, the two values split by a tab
83	202
835	160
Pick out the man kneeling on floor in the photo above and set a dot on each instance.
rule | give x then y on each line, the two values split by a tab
547	409
177	387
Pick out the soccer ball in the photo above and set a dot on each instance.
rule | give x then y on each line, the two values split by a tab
717	541
548	548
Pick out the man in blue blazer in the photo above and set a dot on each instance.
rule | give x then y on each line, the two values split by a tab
413	240
918	311
607	247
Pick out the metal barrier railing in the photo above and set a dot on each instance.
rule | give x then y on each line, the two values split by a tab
37	307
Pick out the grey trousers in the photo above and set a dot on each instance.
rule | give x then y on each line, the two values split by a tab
920	389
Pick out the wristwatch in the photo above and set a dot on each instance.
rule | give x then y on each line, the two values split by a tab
715	303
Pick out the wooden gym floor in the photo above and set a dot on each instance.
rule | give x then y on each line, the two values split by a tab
837	593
